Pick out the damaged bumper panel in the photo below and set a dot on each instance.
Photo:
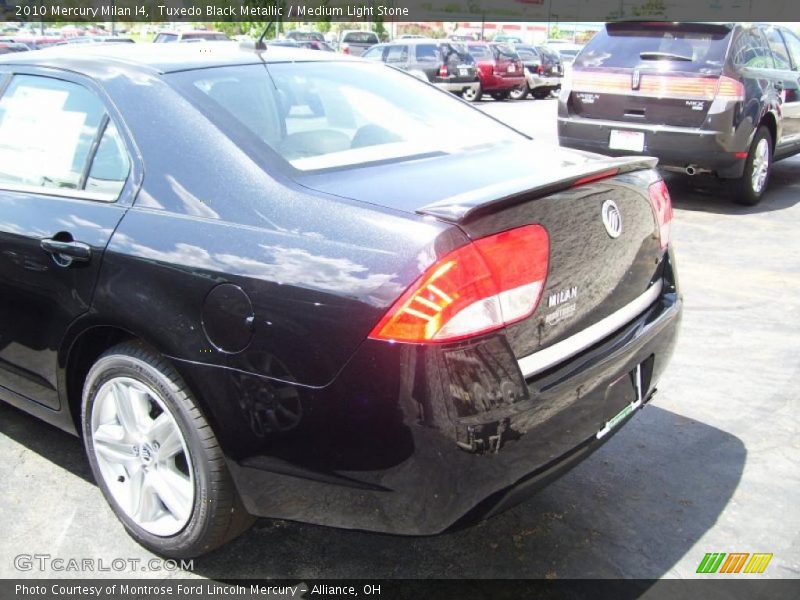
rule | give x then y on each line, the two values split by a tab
445	432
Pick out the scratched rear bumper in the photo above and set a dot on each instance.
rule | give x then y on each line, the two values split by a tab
410	439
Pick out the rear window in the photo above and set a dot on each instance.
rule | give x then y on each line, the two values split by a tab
479	52
526	54
163	38
694	47
504	53
360	37
217	37
332	114
306	36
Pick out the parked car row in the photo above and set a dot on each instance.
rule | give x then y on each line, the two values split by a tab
474	69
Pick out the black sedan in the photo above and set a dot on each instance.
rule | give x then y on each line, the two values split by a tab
293	284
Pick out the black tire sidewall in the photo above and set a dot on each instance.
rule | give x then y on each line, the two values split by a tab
120	365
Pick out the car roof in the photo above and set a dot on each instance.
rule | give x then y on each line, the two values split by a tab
90	59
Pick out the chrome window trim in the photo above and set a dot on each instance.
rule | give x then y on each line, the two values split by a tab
544	359
59	192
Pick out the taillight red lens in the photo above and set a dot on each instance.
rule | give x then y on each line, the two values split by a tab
540	70
480	287
662	208
345	49
443	71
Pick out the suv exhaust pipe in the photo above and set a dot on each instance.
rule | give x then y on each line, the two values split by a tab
691	170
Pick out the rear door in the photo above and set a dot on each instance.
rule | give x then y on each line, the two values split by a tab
786	51
63	166
650	73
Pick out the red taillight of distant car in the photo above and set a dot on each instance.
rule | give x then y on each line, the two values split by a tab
485	285
662	208
443	71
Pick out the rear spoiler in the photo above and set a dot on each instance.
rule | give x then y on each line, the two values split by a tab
456	209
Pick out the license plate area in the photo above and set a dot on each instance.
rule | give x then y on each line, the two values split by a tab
620	139
625	395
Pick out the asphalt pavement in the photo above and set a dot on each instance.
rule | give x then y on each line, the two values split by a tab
711	465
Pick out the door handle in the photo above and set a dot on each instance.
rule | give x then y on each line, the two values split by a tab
65	253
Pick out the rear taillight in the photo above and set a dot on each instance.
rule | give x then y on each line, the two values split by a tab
443	71
730	89
540	70
480	287
345	49
662	208
660	86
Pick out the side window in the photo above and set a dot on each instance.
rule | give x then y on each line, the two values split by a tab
374	53
110	166
750	50
778	48
47	129
427	53
397	54
793	44
164	38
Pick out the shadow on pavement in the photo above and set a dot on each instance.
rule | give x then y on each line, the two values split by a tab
633	509
708	194
51	443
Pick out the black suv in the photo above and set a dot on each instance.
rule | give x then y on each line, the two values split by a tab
437	62
703	98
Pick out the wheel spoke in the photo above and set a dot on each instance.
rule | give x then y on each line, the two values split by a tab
128	403
111	447
165	431
148	507
174	490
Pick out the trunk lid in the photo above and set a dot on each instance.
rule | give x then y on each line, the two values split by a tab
591	274
650	73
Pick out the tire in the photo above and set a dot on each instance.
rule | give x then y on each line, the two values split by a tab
471	95
750	187
500	96
157	460
519	93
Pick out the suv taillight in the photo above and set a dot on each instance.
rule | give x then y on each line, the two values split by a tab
540	70
443	71
662	208
730	89
345	49
485	285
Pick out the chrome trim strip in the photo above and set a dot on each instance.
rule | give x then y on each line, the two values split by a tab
73	193
544	359
636	126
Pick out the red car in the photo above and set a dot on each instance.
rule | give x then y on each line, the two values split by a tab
500	70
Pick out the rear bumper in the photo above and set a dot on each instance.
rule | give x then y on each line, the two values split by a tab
410	439
540	81
459	87
675	147
501	83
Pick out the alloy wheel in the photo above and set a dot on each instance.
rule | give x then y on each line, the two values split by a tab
760	169
142	456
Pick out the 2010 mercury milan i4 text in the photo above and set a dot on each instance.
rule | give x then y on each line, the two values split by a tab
297	285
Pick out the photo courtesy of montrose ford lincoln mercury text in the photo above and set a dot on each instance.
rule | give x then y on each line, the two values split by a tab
299	285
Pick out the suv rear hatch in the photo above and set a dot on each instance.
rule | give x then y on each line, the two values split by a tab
653	73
